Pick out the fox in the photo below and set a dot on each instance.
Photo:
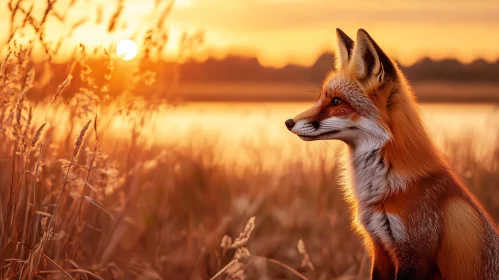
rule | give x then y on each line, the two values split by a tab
417	219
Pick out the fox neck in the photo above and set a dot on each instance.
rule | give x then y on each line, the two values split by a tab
410	151
385	165
373	179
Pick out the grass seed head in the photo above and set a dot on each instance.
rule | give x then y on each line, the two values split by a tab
226	242
80	139
242	253
28	121
245	235
61	88
29	80
19	113
37	135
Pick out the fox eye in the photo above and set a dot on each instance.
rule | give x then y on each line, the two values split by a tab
336	101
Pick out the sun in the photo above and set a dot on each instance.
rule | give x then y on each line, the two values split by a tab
126	49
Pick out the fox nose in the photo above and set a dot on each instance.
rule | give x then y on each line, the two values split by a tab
289	124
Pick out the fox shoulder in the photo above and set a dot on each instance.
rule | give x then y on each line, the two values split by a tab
462	241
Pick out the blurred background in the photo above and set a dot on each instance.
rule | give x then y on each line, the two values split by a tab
136	134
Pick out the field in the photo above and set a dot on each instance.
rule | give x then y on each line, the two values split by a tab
90	190
107	173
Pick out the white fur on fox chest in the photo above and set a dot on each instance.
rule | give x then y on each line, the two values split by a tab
372	182
382	226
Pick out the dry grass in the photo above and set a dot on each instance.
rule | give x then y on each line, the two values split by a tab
79	201
77	205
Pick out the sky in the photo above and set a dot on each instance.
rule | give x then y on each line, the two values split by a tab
296	31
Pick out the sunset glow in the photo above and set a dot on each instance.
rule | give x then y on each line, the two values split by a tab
183	3
148	139
280	32
126	49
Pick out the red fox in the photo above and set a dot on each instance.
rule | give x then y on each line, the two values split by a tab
417	218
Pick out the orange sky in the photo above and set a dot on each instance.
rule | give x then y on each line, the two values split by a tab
281	31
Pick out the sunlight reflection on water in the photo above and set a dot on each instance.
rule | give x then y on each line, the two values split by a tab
251	133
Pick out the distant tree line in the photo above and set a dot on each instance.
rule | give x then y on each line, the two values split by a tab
248	69
243	69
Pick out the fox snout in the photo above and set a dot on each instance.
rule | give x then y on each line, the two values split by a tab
289	124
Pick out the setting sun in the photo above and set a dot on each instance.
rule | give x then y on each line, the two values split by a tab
237	139
126	49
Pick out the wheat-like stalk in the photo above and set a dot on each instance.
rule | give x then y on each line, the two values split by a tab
235	269
245	235
61	88
19	113
77	147
37	135
80	139
29	80
28	121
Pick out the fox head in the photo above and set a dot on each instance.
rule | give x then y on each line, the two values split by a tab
357	98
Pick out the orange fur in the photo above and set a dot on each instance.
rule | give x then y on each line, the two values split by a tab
322	110
310	113
411	152
418	220
397	204
460	255
385	268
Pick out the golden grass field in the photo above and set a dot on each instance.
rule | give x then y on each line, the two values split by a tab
115	190
103	177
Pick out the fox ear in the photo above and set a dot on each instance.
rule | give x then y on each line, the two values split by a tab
345	49
371	65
